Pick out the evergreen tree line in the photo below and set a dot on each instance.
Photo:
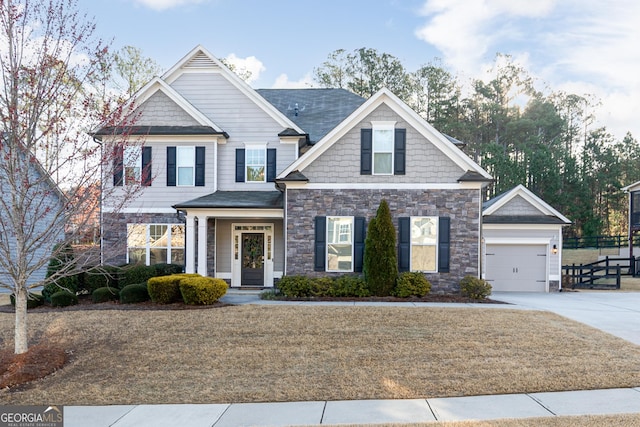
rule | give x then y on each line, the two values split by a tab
544	139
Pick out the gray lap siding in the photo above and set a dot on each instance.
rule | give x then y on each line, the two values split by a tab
461	206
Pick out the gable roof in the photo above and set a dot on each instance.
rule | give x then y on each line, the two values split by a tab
206	125
385	96
547	213
317	111
200	59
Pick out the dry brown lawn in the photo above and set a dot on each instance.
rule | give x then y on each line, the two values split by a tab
293	353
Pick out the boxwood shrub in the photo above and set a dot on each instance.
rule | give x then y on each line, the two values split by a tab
296	286
349	286
69	284
102	277
412	284
202	290
475	288
33	301
166	289
63	299
136	273
104	294
135	293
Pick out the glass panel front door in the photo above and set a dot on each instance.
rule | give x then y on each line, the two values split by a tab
252	259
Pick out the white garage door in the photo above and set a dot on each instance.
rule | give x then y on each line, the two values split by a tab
520	268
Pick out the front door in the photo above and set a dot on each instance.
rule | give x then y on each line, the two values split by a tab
252	273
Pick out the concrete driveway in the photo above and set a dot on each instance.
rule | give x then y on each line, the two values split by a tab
614	312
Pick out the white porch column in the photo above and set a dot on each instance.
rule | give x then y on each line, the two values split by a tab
190	255
202	245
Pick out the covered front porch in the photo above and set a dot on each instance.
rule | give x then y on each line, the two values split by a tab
237	236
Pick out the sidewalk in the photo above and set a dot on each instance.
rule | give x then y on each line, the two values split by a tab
592	402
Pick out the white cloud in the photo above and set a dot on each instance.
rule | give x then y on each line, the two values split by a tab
283	82
250	64
579	46
161	5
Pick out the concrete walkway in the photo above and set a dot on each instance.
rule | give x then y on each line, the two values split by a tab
617	313
592	402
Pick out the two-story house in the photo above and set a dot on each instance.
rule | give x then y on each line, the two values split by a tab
249	185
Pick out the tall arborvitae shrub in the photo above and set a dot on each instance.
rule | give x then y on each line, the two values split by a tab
380	259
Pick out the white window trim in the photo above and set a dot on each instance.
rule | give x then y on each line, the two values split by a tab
132	158
378	126
191	148
436	244
248	147
147	246
339	243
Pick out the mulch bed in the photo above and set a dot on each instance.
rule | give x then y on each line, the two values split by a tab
38	362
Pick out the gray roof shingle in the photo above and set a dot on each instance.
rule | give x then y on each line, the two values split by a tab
316	111
236	199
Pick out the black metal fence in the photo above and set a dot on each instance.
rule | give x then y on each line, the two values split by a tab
598	242
603	274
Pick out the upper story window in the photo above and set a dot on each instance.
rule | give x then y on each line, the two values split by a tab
186	165
256	163
132	161
131	165
383	149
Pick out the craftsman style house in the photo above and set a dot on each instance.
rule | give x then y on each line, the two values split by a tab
249	185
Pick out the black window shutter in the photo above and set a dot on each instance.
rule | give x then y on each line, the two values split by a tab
366	151
146	166
320	246
444	244
271	164
171	166
400	152
404	243
200	155
358	242
118	165
240	165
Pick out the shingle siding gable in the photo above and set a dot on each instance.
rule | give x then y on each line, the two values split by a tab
159	109
518	206
424	162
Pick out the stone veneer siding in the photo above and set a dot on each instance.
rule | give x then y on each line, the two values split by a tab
114	239
461	206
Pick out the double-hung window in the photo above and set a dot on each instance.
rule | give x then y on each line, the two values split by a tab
256	163
155	244
383	145
186	165
339	243
424	243
132	160
383	149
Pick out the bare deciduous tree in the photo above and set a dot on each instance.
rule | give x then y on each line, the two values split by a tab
52	93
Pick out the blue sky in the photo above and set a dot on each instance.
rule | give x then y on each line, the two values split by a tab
579	46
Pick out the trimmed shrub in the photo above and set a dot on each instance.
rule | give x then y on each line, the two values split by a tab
136	273
202	290
320	286
63	299
349	286
106	276
135	293
166	289
380	264
474	288
33	300
69	284
104	295
295	286
412	284
167	269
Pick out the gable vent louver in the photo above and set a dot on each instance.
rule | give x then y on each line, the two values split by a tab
201	61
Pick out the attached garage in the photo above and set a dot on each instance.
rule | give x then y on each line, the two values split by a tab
517	267
522	243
